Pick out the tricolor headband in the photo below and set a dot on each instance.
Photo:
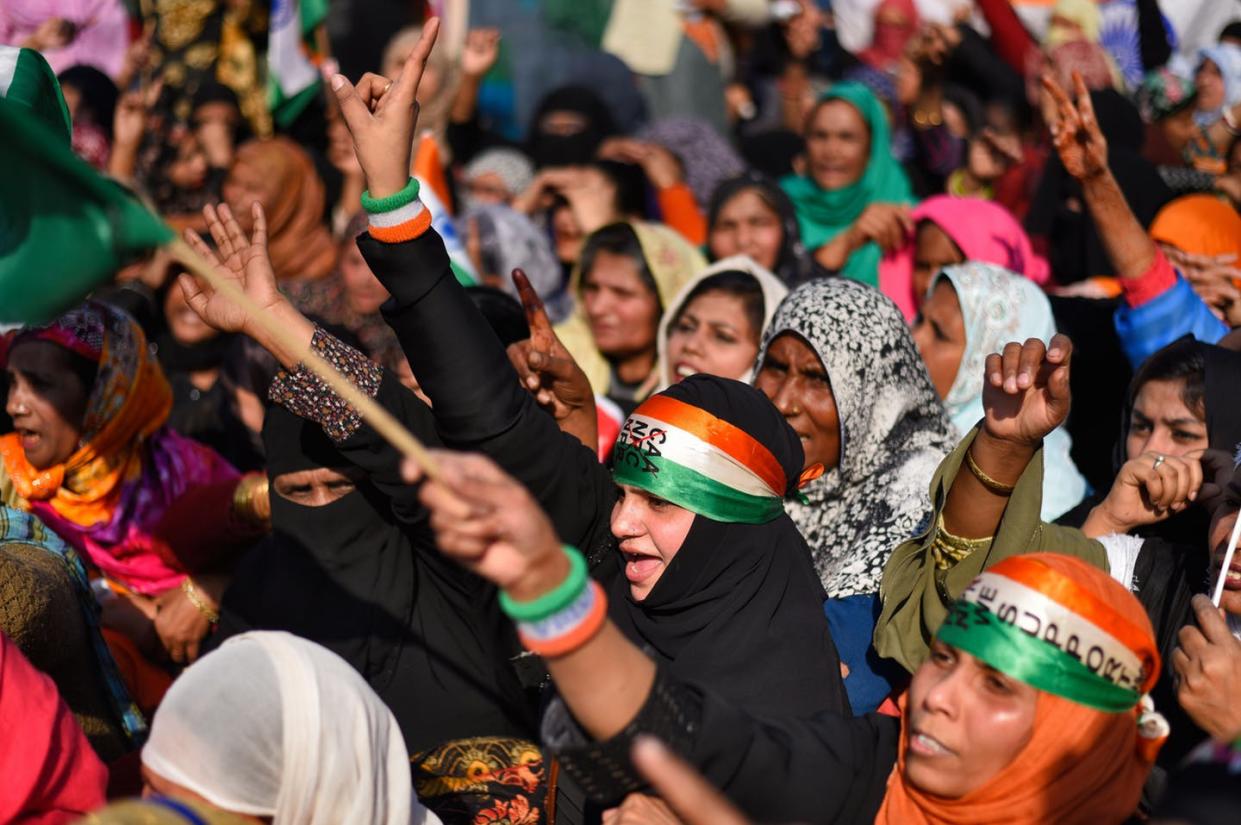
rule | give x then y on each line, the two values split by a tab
1038	625
686	455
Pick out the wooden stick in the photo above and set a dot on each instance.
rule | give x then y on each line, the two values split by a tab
372	413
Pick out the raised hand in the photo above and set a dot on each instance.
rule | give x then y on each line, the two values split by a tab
490	524
1148	489
482	49
382	114
1026	390
547	369
1077	137
244	261
1208	672
661	166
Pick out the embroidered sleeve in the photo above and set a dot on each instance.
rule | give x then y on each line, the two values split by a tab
304	394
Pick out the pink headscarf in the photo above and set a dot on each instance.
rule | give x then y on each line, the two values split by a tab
983	230
889	39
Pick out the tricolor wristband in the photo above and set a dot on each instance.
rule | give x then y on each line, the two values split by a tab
555	600
405	196
567	630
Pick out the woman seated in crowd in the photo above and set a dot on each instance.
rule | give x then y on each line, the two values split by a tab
751	215
157	516
852	203
268	746
840	365
951	230
970	310
628	275
716	322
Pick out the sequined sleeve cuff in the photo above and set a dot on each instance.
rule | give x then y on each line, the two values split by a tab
304	394
672	713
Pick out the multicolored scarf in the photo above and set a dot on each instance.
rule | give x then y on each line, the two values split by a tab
109	497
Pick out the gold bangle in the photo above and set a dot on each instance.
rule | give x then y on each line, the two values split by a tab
947	549
211	614
999	488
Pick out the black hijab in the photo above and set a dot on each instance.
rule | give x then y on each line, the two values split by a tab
794	265
1058	211
569	150
367	583
740	608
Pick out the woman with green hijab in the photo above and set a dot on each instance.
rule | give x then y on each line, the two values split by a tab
853	200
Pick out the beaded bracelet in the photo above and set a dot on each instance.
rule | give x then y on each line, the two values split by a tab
569	629
554	600
407	195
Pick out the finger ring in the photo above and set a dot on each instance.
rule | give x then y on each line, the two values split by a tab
389	86
1159	459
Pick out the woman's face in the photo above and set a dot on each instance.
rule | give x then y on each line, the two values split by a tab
567	235
1210	85
933	250
362	289
184	324
316	487
188	170
622	310
1179	129
939	333
47	402
1161	423
746	225
488	188
837	145
650	532
245	184
965	723
794	378
1222	522
713	336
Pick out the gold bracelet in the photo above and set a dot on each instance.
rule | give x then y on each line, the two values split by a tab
211	614
947	549
999	488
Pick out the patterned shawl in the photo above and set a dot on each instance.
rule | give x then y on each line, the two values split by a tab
108	498
893	431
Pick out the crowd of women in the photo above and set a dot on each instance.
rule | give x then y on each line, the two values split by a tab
810	436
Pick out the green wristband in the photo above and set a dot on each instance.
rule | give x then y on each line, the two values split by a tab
554	600
395	201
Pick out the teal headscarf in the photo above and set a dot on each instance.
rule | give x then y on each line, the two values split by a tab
824	214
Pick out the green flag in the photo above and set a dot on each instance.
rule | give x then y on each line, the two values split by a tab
64	228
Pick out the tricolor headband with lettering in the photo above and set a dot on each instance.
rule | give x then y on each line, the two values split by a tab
686	455
1037	624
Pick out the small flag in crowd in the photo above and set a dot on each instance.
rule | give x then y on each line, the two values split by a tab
64	228
434	194
292	76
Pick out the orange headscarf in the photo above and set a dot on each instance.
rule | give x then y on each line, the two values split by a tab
1081	765
1199	225
298	241
130	400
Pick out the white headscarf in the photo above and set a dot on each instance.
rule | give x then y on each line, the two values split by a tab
773	289
998	306
274	725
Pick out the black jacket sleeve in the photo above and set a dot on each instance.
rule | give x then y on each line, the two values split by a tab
476	398
1152	38
825	768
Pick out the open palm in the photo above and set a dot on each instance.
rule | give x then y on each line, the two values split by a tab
242	261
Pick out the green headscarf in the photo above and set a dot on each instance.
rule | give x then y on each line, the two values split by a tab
824	214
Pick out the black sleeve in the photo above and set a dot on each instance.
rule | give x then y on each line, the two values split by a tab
826	768
1152	38
477	401
975	65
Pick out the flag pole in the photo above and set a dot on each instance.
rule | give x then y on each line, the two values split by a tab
372	413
